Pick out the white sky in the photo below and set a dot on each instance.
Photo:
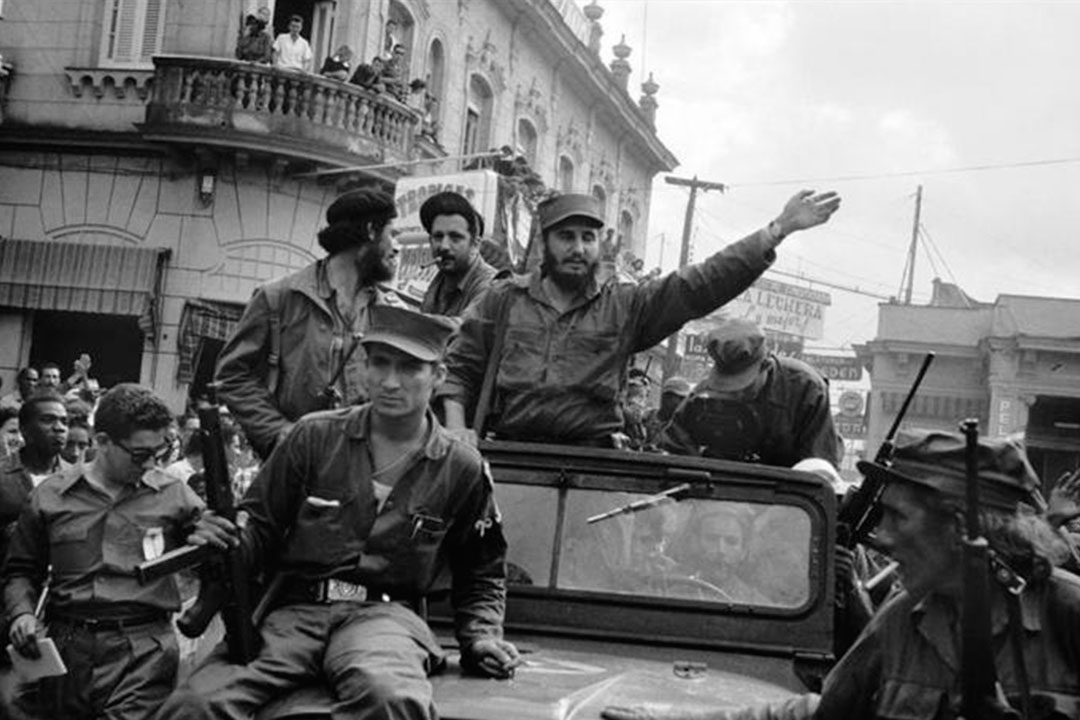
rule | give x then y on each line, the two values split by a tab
755	94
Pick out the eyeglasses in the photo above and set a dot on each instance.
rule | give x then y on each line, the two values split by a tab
139	456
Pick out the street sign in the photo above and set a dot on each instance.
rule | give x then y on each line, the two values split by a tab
851	427
851	404
835	367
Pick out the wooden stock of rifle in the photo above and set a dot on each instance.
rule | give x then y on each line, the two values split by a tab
224	585
859	513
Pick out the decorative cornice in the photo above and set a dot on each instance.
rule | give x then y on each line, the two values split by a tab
484	57
530	101
120	81
570	141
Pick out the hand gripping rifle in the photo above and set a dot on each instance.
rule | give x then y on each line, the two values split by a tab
859	513
224	585
978	679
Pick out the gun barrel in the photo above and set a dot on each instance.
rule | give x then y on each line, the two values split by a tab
171	562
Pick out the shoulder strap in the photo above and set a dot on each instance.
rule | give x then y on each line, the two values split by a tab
491	370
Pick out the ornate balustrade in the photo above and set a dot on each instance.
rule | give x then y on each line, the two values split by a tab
258	108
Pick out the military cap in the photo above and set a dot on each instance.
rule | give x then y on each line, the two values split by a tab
737	348
676	386
563	207
937	460
423	336
359	204
450	203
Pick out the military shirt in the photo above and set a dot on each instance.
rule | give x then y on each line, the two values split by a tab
562	375
453	296
314	512
94	541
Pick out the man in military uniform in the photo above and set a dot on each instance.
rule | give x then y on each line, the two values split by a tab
906	662
365	510
454	229
566	339
91	525
754	406
295	349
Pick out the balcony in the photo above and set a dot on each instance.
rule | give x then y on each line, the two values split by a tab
258	109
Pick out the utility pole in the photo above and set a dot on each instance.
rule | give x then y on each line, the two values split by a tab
908	281
684	253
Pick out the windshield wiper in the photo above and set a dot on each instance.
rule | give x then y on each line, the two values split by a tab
641	504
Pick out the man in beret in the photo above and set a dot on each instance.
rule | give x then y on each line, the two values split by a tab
364	511
755	406
906	662
567	339
454	230
296	347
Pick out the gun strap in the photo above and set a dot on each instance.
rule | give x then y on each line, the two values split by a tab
491	369
1016	641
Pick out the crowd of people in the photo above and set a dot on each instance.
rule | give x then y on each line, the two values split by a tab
369	492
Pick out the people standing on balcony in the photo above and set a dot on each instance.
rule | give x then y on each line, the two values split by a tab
393	74
566	339
254	42
369	76
296	347
337	65
454	229
290	50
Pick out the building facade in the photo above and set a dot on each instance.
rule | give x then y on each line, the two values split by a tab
1013	364
149	182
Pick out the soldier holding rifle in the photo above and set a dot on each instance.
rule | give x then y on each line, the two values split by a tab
365	511
907	662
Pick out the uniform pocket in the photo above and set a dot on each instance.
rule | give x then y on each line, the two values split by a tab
327	530
70	550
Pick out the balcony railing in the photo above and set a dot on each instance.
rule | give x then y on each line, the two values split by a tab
258	108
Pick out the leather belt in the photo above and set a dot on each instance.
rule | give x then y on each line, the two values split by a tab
102	624
332	590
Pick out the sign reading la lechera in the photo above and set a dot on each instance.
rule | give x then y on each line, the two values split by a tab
784	308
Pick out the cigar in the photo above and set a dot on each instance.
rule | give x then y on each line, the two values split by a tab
425	266
885	574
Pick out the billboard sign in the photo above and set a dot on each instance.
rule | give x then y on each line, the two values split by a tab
784	308
835	367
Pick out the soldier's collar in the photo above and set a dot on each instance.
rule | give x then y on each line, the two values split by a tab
358	427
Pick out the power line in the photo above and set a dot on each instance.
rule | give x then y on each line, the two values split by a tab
825	283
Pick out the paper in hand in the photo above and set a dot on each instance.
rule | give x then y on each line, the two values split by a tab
50	664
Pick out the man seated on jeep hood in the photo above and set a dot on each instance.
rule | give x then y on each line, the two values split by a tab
365	510
906	662
561	373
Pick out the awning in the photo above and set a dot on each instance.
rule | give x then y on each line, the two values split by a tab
202	319
74	277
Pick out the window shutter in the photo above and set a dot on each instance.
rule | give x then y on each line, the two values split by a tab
133	31
153	22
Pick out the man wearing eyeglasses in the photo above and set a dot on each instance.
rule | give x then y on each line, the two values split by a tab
92	524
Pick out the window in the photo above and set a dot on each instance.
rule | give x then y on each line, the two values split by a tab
472	131
436	77
133	31
626	231
601	196
527	141
566	174
478	116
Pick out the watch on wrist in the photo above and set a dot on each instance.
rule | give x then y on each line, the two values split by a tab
776	233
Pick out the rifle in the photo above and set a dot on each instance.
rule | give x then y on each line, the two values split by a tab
978	679
224	585
859	513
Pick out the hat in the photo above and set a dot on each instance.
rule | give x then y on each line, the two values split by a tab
937	460
676	386
450	203
563	207
359	204
737	348
418	334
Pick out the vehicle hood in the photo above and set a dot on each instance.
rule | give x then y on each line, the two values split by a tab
558	684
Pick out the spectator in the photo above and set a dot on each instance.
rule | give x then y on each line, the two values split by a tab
337	65
10	437
254	43
369	77
394	72
191	463
50	376
79	447
290	51
26	381
114	634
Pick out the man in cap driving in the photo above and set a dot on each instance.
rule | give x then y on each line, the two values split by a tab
364	511
296	347
755	406
455	230
566	339
906	662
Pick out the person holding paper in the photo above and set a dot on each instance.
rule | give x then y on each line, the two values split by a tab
92	524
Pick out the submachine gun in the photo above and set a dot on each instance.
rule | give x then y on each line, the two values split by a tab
860	512
224	586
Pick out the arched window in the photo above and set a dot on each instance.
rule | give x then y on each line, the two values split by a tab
626	231
527	141
566	174
601	195
478	116
434	92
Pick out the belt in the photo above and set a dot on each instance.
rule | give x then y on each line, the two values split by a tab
101	624
333	590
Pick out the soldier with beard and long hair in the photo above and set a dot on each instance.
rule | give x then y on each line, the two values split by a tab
296	348
566	339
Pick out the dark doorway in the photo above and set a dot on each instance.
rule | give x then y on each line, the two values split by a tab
114	343
284	9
